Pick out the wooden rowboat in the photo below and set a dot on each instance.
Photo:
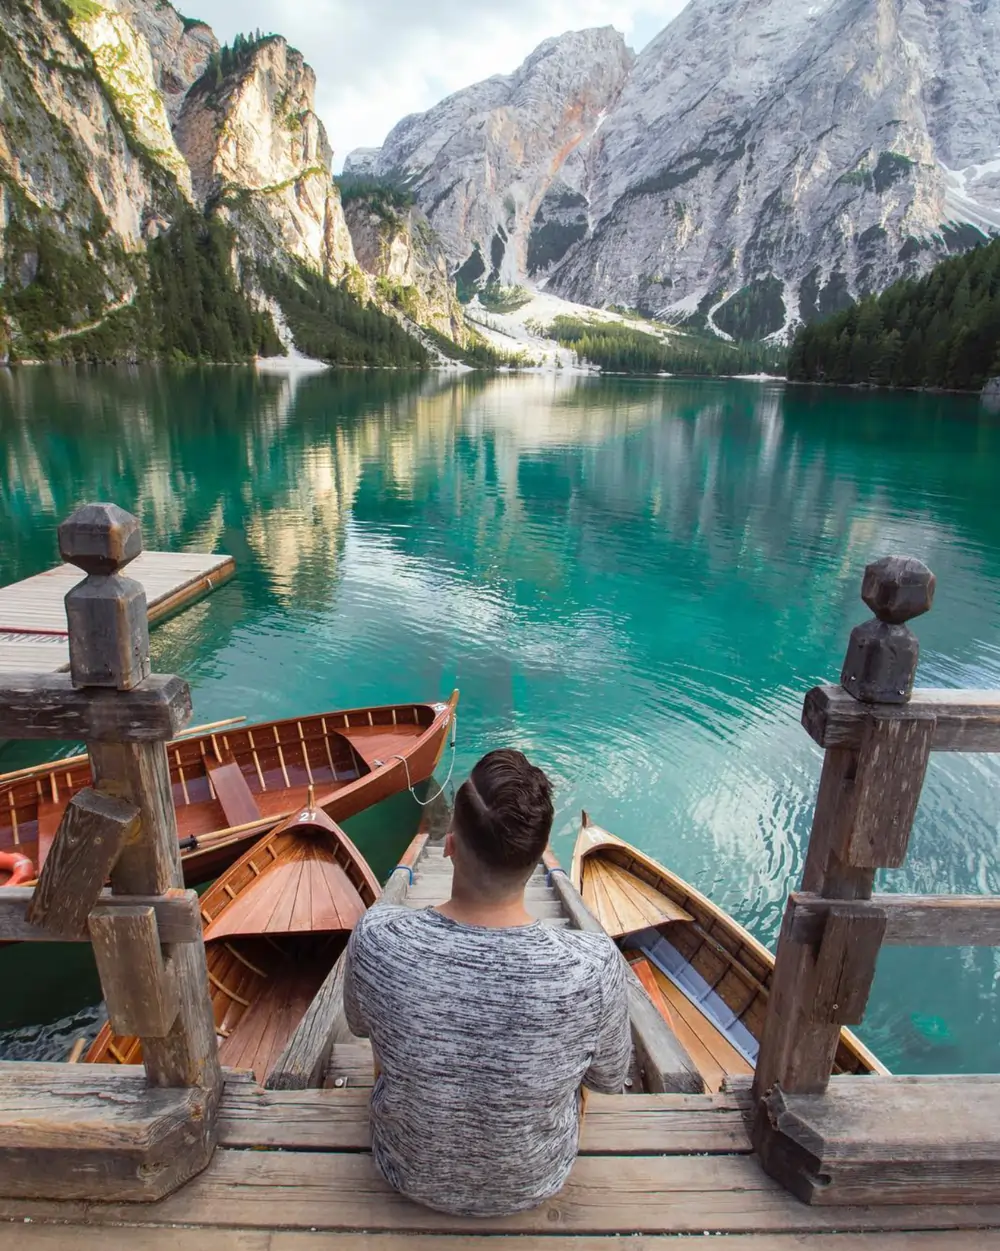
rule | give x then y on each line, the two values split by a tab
275	922
709	978
233	785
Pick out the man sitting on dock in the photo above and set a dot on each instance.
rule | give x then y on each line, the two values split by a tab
485	1023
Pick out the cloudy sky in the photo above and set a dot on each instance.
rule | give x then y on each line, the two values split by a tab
377	60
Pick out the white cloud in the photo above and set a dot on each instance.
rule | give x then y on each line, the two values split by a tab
377	61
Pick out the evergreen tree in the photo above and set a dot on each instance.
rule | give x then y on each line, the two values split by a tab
940	331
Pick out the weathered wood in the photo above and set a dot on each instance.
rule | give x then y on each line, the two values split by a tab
108	633
305	1057
100	538
352	1064
139	987
49	706
881	805
39	1237
825	872
910	920
93	830
338	1120
604	1194
665	1064
882	655
885	1141
188	1055
845	965
81	1131
178	918
964	720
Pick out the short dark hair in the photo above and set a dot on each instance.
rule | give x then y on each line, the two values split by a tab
503	812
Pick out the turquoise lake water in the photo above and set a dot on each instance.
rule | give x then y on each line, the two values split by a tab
634	581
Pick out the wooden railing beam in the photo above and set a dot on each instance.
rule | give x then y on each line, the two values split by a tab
178	917
910	920
964	720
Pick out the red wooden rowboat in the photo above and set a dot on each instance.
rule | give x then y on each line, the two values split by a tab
275	922
233	785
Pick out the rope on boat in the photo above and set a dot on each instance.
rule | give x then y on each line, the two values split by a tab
451	769
406	869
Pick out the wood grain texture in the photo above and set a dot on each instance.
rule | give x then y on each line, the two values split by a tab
337	1120
885	1140
38	1237
94	829
604	1194
304	1060
139	986
71	1131
177	916
108	633
892	762
845	965
910	920
49	706
964	720
666	1066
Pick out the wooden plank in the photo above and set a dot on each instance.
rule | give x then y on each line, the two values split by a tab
910	920
75	1131
963	720
93	830
178	918
188	1055
351	1064
845	965
233	793
336	1119
139	987
305	1057
665	1064
604	1194
885	1140
892	762
49	706
39	1237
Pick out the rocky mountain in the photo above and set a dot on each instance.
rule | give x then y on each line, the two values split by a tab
760	162
501	169
123	126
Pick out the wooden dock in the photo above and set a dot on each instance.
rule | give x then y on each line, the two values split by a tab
293	1172
33	634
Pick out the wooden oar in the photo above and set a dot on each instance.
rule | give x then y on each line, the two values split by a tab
69	761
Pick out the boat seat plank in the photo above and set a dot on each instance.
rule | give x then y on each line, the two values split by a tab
234	795
379	742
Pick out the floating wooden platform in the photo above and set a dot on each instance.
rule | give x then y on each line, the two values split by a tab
33	616
293	1168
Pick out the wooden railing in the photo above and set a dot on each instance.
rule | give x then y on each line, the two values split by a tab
878	734
146	931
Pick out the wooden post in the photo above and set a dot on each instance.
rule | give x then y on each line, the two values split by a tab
867	799
109	647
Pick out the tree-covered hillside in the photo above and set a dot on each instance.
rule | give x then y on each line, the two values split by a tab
619	348
939	331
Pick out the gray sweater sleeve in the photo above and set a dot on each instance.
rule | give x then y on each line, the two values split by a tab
613	1055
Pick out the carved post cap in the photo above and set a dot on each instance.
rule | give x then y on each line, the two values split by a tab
898	588
106	612
881	660
100	538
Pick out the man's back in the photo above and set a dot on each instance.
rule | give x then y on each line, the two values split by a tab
483	1036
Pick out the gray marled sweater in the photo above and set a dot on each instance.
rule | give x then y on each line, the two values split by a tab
484	1038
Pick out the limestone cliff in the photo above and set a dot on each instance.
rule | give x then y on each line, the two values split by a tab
501	168
179	47
79	196
399	248
256	147
124	62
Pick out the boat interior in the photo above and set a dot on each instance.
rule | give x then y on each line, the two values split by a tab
232	778
708	977
275	923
